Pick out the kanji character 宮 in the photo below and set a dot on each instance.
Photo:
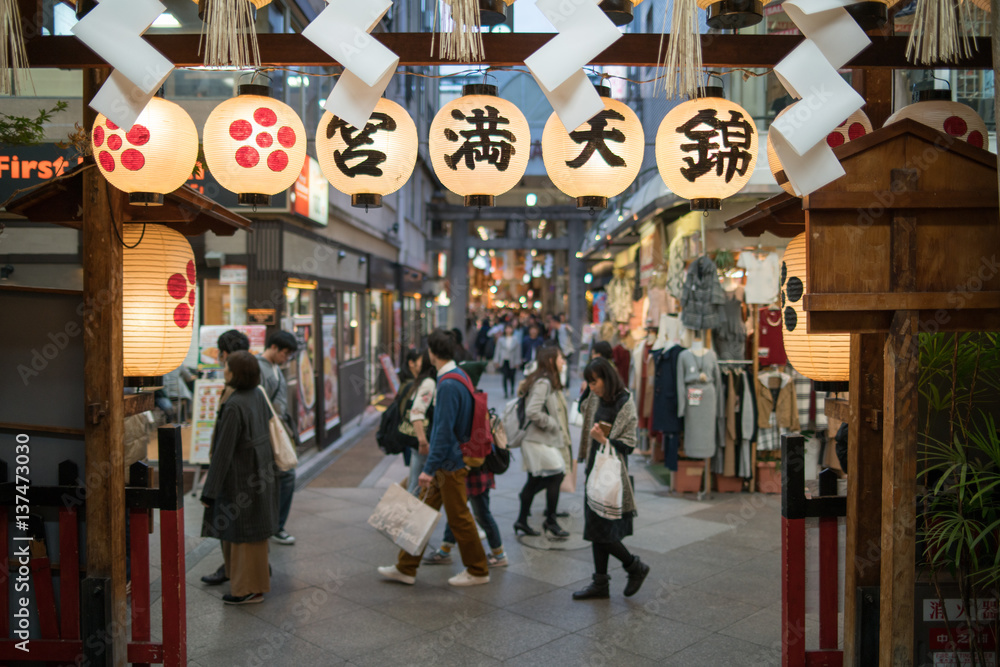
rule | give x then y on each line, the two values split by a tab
596	138
720	145
485	142
371	159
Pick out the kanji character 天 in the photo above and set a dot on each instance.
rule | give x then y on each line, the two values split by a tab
596	138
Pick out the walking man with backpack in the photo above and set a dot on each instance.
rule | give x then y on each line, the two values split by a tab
454	436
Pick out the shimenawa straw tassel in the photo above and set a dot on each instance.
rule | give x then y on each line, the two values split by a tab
942	31
232	34
13	59
464	42
683	64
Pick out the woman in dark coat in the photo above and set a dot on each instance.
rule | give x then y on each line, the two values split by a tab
609	402
240	493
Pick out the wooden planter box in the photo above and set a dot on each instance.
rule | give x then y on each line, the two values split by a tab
768	477
688	477
725	484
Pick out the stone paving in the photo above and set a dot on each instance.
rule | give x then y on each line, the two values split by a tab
712	598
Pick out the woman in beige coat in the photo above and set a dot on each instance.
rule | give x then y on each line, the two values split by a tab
547	448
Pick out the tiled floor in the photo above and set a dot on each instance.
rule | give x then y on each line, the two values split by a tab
712	598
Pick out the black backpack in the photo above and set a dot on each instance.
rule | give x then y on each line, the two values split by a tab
389	438
498	460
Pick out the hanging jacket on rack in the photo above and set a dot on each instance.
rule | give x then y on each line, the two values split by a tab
776	416
701	304
665	417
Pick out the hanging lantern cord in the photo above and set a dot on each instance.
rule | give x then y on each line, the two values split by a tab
114	225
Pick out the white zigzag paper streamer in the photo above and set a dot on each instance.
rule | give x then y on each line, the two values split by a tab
810	73
342	31
113	30
584	31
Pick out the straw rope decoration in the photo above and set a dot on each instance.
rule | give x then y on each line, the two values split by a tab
464	43
232	35
13	59
942	31
683	63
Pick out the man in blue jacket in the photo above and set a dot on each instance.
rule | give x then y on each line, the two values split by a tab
445	471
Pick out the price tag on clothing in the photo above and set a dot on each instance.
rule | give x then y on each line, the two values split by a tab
694	396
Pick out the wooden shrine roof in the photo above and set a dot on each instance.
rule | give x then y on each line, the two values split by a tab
781	215
58	201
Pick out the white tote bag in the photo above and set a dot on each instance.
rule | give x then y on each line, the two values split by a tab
281	443
405	520
604	486
575	416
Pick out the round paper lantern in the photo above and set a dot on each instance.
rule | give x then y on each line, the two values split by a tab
370	163
600	158
706	149
153	158
158	299
619	11
820	357
254	145
936	110
479	145
857	125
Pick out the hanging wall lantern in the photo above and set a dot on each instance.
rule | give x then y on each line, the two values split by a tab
158	300
936	110
600	158
823	358
706	149
479	145
155	157
621	12
493	12
856	126
254	145
370	163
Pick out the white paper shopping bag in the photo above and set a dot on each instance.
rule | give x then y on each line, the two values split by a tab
404	519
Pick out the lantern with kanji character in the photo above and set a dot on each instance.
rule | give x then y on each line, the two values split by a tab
619	11
820	357
153	158
254	145
479	145
857	125
935	109
706	149
600	158
370	163
158	299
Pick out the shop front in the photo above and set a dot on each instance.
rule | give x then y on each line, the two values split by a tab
383	344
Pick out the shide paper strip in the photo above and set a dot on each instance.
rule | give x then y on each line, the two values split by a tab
584	32
342	31
810	73
113	30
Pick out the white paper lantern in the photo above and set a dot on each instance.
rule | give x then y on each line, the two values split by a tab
254	145
936	110
155	157
706	149
158	297
820	357
479	145
597	160
371	163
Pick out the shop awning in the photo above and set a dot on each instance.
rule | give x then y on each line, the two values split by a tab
781	215
58	202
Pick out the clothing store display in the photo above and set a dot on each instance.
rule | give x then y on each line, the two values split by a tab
659	303
619	299
675	267
665	416
703	298
699	394
778	412
730	338
740	424
771	348
763	277
642	378
622	360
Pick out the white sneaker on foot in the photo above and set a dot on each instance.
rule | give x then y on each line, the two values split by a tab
390	572
463	578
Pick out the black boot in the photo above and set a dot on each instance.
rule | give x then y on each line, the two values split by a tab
552	527
521	525
637	572
597	590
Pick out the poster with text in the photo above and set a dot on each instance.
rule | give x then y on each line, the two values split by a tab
331	400
306	378
208	341
205	408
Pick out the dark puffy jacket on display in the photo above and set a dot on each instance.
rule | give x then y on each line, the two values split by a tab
703	296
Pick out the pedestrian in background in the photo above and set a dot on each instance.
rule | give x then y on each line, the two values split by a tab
281	346
507	359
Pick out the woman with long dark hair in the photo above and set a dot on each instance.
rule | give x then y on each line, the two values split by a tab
546	449
417	414
609	418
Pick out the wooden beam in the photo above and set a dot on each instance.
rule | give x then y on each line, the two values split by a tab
863	551
900	200
104	472
506	50
899	301
838	409
136	404
931	321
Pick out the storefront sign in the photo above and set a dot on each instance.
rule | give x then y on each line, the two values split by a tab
264	316
311	193
948	632
205	407
24	166
390	372
233	274
208	341
331	404
306	377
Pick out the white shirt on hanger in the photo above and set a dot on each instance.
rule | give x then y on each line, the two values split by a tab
763	276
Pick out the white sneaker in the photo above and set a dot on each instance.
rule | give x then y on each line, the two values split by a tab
463	578
390	572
